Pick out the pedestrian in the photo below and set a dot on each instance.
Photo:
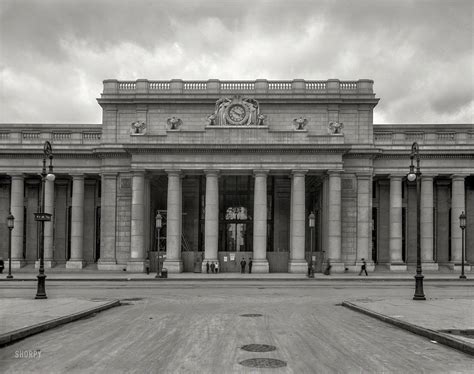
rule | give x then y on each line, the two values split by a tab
242	266
2	265
213	267
363	268
328	268
217	267
250	265
207	267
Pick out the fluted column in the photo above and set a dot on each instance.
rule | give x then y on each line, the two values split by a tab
260	262
108	223
364	214
77	223
426	224
297	262
395	243
334	221
211	219
458	205
136	262
173	223
18	211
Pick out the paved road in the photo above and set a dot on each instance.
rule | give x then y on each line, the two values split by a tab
199	328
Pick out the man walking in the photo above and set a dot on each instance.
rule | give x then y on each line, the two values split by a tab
363	268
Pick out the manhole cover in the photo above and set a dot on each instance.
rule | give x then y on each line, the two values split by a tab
269	363
251	315
258	348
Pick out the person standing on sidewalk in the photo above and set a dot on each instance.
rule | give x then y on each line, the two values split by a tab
207	267
217	267
213	267
250	265
363	268
242	266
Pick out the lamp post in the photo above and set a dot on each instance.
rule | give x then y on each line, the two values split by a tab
158	224
42	216
311	219
412	177
462	225
11	224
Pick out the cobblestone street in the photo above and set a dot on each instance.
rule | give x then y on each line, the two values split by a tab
182	327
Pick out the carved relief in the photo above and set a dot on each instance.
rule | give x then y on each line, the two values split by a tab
237	111
174	123
300	123
138	128
335	127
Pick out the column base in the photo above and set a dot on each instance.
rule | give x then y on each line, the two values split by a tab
17	264
458	267
137	266
48	264
398	266
109	265
174	266
429	266
211	260
75	264
297	266
260	266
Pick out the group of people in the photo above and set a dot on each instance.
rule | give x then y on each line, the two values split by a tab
243	263
213	267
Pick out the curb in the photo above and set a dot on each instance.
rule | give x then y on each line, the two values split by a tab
427	333
210	279
15	335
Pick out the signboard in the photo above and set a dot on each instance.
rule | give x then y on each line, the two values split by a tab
42	216
232	256
225	258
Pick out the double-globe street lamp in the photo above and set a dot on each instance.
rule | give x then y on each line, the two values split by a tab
412	177
158	224
42	216
311	219
11	224
462	225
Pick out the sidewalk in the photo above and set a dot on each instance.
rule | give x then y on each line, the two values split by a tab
24	317
29	273
446	321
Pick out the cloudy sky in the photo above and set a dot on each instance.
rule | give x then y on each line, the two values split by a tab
54	54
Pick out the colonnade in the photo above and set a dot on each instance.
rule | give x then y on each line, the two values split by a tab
458	201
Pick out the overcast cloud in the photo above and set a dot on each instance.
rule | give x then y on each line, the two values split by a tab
54	54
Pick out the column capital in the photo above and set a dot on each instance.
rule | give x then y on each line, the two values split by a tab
364	176
459	176
299	172
335	172
260	172
215	172
16	175
175	172
77	175
109	175
397	176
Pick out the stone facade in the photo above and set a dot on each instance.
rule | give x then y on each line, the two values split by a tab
235	168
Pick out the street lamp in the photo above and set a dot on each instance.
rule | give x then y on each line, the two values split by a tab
42	216
462	225
311	219
412	177
158	224
11	224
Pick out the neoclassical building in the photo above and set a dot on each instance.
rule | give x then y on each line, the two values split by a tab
235	168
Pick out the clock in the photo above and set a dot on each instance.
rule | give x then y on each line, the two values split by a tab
236	114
